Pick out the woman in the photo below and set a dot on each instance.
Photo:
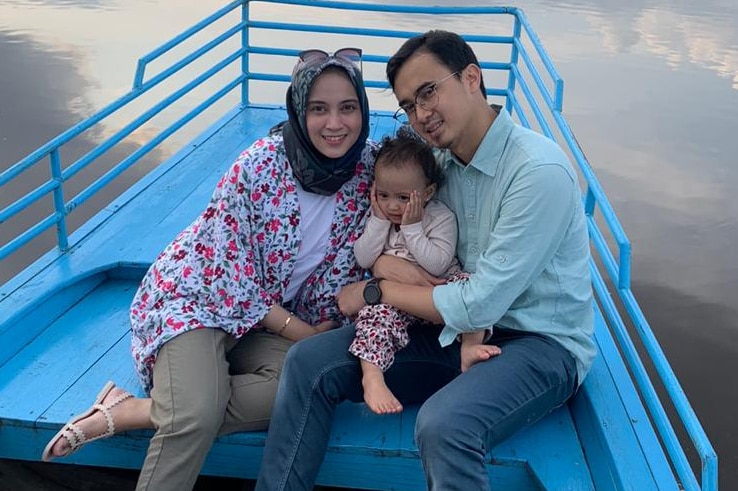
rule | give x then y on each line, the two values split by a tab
257	271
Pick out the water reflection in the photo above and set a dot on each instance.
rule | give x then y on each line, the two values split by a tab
79	4
106	42
706	41
42	94
651	92
680	33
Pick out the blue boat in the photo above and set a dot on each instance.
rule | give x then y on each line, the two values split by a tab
64	327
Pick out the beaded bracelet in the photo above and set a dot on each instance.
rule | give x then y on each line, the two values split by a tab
286	323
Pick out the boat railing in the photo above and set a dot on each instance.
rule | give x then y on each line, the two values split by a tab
59	175
618	270
532	91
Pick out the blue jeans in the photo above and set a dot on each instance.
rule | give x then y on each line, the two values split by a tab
462	416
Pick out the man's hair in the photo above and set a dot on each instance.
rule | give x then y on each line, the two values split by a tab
448	48
406	148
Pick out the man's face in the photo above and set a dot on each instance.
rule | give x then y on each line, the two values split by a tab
442	121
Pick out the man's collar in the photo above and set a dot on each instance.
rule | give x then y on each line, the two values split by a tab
487	157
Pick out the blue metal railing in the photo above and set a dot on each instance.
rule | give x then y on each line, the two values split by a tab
545	109
619	273
51	149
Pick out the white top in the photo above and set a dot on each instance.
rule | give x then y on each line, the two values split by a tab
316	216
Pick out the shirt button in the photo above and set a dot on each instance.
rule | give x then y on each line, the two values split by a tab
470	216
474	250
469	182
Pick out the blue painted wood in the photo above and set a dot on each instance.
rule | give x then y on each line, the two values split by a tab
359	439
610	418
64	328
89	344
39	315
67	348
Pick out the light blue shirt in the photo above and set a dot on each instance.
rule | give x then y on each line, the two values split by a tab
523	235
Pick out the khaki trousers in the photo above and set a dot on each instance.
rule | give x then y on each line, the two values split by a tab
206	384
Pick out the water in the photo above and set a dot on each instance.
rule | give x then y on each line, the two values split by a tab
651	93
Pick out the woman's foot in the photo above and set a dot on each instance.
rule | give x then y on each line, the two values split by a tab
96	423
377	395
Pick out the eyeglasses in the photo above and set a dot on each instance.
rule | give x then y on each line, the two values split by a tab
426	97
351	55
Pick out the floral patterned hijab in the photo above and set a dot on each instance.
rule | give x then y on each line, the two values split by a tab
313	170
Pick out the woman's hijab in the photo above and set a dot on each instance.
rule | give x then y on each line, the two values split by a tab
313	170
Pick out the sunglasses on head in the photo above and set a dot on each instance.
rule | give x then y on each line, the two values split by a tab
351	55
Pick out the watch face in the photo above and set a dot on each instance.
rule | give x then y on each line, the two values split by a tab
372	293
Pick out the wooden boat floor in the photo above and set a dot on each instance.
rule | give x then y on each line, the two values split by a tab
66	333
58	373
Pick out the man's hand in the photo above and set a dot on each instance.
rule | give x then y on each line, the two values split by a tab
351	299
403	271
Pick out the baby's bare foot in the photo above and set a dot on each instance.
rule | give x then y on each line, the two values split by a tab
377	395
471	354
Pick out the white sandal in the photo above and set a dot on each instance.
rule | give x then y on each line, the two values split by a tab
76	437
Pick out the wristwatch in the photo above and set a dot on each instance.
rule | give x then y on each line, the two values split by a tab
372	292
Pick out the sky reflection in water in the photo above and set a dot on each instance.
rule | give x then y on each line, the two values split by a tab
651	93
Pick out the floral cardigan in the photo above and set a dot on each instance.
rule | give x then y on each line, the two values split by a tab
234	262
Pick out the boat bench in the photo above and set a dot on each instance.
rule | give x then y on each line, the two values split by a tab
65	332
60	371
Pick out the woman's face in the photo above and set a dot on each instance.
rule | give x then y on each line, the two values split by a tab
333	116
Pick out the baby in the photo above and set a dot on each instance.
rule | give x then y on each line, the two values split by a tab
407	222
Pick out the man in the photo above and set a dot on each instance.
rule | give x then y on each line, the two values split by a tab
523	238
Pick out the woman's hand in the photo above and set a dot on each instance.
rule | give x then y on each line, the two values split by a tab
403	271
351	299
283	323
376	210
299	329
325	326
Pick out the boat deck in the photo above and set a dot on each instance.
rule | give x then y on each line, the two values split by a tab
66	332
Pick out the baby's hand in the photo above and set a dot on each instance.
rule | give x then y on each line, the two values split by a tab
376	210
474	353
413	210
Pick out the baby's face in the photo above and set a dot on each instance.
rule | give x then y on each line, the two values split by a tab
394	185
